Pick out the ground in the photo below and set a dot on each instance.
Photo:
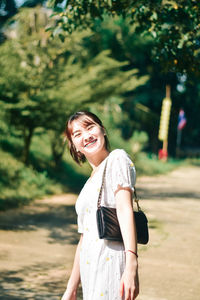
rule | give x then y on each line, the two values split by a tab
37	242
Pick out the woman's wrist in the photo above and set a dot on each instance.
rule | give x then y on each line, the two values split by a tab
132	252
131	260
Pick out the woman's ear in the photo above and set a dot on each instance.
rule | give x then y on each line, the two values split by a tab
104	132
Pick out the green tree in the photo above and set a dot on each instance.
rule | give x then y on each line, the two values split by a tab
174	25
43	80
141	107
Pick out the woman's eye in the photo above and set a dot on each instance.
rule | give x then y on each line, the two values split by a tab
90	127
77	135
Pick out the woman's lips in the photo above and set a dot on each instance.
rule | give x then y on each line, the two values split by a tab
90	143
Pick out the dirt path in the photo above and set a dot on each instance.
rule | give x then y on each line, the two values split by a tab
37	243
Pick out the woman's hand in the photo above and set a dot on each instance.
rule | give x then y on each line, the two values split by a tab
129	285
69	294
73	283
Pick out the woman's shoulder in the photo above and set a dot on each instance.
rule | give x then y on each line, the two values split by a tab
119	153
121	157
121	169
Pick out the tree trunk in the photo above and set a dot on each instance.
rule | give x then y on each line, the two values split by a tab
57	147
28	133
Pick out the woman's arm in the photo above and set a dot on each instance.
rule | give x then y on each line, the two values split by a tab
129	282
74	280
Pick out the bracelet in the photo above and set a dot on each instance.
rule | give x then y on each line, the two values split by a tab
131	252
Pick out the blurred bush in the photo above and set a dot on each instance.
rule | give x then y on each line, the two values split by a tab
138	141
20	184
149	165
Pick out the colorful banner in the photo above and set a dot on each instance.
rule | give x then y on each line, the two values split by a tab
164	119
181	119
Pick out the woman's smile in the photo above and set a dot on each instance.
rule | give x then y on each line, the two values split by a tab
91	143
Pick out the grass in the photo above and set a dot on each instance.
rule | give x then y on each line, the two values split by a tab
148	164
193	161
20	184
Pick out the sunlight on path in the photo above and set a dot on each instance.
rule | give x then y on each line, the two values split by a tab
37	242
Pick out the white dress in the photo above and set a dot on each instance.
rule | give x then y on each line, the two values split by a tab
102	262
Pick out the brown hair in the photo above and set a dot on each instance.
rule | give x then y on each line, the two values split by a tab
87	118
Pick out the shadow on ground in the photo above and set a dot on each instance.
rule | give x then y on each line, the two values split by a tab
155	195
43	280
14	285
59	221
48	280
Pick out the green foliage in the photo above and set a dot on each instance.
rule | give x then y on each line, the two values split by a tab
20	184
194	161
141	108
4	129
174	25
43	80
138	141
150	165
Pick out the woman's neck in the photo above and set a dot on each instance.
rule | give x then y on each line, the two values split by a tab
96	160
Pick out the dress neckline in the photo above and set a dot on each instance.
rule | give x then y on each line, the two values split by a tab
99	167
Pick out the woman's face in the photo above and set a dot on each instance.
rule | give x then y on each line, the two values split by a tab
88	139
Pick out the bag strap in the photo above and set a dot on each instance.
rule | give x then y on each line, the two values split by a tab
136	199
101	189
102	185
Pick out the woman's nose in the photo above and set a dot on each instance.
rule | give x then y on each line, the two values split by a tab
87	136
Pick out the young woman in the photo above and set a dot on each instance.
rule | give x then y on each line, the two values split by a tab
107	269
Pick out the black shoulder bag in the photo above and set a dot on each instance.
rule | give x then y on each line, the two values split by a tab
108	225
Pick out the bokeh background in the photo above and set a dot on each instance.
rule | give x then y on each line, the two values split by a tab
113	58
113	65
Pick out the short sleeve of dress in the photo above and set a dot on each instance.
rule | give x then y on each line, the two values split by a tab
122	171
